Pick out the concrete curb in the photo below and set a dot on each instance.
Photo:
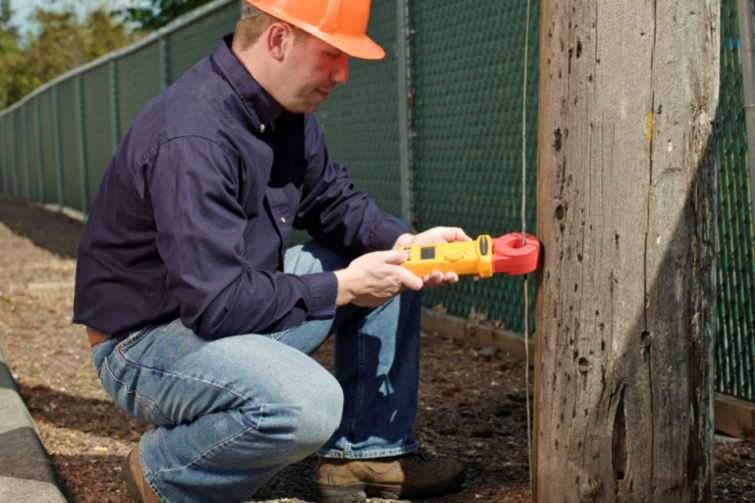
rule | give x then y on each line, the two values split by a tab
26	474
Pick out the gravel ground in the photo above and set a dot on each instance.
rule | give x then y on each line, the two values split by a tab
471	406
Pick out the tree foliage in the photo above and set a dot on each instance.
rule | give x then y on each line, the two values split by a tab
9	55
159	13
62	42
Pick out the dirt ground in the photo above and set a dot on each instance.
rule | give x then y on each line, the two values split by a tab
471	406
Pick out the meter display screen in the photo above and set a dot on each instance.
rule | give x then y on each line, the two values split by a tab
427	253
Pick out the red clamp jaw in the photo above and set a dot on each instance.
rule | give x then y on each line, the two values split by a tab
511	257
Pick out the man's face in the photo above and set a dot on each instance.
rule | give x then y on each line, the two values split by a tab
312	70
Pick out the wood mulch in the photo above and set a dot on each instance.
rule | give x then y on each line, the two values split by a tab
471	406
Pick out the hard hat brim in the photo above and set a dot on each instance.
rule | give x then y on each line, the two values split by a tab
358	47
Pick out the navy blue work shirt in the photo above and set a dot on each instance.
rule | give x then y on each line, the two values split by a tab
196	208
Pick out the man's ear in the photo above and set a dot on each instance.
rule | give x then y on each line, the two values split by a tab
279	36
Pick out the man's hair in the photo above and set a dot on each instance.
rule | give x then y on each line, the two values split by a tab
248	31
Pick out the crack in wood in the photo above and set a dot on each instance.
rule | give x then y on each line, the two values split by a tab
619	443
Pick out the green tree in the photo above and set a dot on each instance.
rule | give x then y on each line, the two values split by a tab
61	43
10	56
158	13
59	47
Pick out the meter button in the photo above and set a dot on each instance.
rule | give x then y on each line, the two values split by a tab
454	255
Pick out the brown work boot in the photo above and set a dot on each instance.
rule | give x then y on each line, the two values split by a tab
132	475
415	475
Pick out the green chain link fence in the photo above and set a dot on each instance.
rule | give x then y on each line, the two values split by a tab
735	344
467	67
361	119
465	113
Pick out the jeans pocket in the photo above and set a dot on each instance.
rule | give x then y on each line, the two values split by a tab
277	335
99	354
127	397
133	337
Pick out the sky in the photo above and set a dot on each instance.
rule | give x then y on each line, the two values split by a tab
23	8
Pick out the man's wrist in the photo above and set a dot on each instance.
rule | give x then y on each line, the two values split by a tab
345	295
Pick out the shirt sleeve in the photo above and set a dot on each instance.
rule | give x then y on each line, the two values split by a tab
192	186
331	209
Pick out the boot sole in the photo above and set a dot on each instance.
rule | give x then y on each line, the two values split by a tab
358	493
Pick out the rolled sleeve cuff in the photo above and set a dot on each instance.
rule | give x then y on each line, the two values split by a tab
384	235
323	290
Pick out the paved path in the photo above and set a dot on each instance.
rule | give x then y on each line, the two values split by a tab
26	474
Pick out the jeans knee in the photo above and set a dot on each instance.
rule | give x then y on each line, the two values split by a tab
321	415
306	421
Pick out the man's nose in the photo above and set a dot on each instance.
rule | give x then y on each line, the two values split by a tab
340	73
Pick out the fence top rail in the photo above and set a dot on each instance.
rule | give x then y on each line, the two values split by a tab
170	28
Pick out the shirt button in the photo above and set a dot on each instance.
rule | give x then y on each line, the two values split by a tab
262	128
283	220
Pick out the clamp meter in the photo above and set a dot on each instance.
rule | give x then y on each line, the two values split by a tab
483	256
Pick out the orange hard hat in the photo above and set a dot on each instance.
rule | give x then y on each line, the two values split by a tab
340	23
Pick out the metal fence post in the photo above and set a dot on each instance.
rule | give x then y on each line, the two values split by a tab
6	155
40	158
115	134
16	170
404	76
27	152
745	10
163	52
3	155
82	142
58	146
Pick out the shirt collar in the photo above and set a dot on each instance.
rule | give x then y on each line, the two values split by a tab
258	102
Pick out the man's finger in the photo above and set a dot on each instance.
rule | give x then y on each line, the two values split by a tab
410	280
396	257
454	234
461	235
451	278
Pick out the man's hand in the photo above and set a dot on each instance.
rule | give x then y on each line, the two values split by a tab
433	236
374	278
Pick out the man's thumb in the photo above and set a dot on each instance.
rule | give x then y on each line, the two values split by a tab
395	257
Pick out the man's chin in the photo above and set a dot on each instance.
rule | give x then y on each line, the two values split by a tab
302	109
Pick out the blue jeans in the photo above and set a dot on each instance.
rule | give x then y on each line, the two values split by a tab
230	413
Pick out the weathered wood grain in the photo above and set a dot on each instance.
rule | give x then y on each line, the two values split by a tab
626	215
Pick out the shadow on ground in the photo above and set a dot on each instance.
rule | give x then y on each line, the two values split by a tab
99	417
51	230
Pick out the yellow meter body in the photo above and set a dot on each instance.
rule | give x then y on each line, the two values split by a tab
462	257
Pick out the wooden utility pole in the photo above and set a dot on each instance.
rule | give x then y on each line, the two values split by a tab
626	214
